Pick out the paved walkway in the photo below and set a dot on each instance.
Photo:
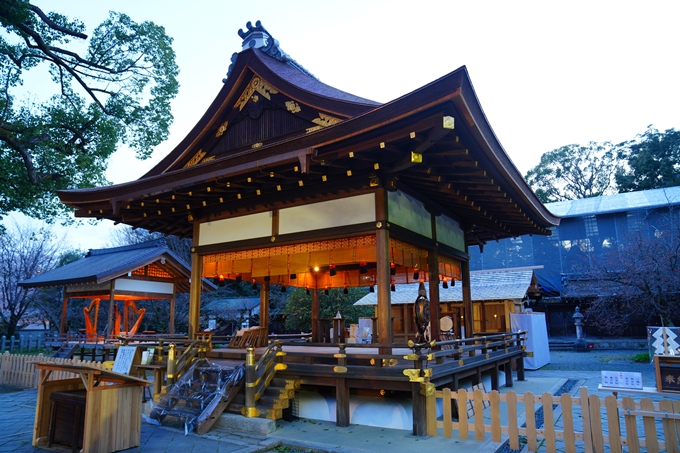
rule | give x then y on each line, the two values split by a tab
17	411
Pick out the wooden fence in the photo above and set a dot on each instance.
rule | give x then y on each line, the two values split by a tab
586	421
19	370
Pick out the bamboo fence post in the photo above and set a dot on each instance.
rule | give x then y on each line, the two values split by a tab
479	414
585	416
613	425
530	420
462	414
596	423
651	437
548	423
631	425
513	429
448	425
669	425
568	423
495	400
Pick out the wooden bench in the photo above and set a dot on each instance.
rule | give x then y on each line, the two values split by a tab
255	337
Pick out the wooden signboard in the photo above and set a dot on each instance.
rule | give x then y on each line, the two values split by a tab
125	359
667	373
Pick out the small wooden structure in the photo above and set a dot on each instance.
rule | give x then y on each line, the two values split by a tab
495	294
101	407
146	271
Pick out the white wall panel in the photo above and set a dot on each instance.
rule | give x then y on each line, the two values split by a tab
235	229
328	214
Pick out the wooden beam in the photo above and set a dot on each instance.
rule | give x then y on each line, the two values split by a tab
195	289
433	267
264	305
112	299
64	310
341	403
171	321
419	410
384	310
467	297
316	311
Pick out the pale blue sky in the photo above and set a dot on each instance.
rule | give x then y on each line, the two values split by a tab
547	73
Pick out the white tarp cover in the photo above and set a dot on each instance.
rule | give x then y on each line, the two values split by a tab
537	338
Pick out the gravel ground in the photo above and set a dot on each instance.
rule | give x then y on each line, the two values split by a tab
597	360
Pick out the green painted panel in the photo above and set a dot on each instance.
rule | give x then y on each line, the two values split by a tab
409	213
450	233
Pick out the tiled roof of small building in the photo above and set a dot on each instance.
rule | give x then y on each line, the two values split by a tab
101	265
484	285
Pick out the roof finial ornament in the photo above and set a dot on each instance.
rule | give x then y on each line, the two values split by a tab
257	37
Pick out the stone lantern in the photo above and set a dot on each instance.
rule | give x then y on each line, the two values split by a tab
580	343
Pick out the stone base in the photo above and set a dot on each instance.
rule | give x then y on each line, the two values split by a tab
581	346
258	426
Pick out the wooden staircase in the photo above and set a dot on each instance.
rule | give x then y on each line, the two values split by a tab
65	351
271	404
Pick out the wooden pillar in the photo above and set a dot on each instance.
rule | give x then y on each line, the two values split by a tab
482	313
467	298
171	322
316	311
419	410
341	402
435	310
264	305
64	311
126	316
195	289
382	244
112	300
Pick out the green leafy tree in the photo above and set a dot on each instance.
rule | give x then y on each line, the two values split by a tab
117	91
572	172
299	307
653	161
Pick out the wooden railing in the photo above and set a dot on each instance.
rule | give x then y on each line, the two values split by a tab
588	423
19	370
260	374
453	355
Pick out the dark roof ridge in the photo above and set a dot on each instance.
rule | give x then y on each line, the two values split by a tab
159	243
271	47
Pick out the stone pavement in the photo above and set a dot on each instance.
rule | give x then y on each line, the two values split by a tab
17	411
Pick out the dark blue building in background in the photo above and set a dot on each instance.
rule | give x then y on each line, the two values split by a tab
588	225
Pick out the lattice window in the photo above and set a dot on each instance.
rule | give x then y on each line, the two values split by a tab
152	270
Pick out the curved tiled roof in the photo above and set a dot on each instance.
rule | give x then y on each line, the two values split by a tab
309	83
316	133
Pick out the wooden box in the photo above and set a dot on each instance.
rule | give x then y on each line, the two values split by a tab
67	418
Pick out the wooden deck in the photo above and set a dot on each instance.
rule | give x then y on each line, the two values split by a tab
344	369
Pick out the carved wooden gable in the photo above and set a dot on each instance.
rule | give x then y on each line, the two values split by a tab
260	115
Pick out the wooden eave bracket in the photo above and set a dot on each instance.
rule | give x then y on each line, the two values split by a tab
305	158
